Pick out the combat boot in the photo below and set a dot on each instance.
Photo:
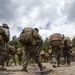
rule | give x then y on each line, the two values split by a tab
54	66
43	68
24	69
69	64
2	69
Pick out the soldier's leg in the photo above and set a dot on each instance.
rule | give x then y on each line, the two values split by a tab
8	59
2	56
47	58
54	61
11	60
20	59
2	62
50	58
58	59
14	59
7	63
68	59
65	59
25	62
39	63
64	55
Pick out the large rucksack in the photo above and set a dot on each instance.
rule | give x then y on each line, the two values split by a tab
56	40
19	52
4	34
1	32
30	36
27	37
69	42
0	38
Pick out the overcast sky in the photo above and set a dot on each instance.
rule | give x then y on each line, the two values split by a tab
49	16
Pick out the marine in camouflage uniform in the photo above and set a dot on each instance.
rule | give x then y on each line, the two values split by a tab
12	53
19	53
56	54
8	53
3	54
8	58
31	52
67	53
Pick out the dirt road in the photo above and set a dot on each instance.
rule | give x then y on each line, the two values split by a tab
34	70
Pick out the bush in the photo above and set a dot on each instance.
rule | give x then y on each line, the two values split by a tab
73	49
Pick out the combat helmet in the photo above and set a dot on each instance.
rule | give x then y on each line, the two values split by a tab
36	29
5	25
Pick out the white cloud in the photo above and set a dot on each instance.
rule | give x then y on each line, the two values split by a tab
38	13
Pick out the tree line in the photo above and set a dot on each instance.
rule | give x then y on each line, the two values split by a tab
44	46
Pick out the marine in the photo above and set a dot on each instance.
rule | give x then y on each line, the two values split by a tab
31	49
19	53
67	53
4	37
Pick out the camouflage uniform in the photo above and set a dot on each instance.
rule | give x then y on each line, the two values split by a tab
12	53
8	54
20	59
20	56
67	54
50	55
56	54
3	53
31	52
3	56
8	59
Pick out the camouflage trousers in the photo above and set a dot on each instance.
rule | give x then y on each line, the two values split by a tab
20	59
67	57
56	54
8	59
3	55
13	59
31	52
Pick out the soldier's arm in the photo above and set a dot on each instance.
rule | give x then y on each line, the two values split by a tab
39	41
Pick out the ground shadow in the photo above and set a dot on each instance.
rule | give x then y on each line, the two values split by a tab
43	72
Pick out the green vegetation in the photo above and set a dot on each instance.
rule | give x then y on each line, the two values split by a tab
44	46
73	41
73	49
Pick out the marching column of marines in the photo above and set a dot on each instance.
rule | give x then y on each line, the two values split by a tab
30	39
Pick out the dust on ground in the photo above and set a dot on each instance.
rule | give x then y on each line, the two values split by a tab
34	70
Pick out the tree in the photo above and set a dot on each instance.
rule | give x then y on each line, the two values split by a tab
15	42
45	45
73	41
